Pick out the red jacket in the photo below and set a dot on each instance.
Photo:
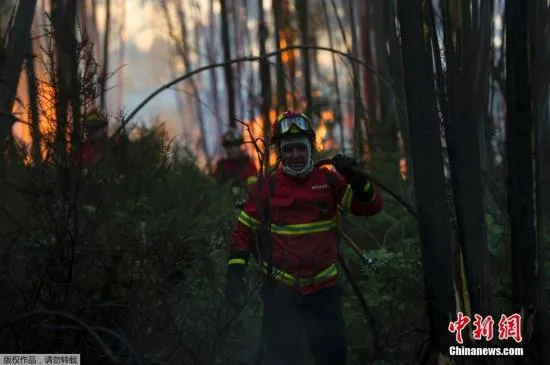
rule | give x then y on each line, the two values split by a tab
303	225
242	170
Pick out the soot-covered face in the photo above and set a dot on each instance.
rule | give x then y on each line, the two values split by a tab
296	155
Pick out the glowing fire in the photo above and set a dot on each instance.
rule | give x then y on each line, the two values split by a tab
323	139
320	134
285	56
252	132
46	119
403	168
402	161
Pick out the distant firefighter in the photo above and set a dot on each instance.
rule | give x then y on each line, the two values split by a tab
96	141
237	167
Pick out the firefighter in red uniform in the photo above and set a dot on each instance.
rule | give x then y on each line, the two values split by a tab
304	292
94	146
237	167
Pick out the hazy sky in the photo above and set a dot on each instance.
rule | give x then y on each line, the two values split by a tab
147	64
146	59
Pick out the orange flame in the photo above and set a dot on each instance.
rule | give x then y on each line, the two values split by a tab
320	135
22	130
285	57
323	138
403	168
254	131
403	161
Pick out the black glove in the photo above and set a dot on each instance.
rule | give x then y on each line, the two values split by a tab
343	165
360	185
235	289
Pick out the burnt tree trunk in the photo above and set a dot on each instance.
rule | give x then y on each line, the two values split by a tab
212	58
366	28
36	135
105	56
397	77
66	61
519	128
539	16
10	70
265	76
386	122
228	69
433	215
238	19
339	115
302	8
462	127
281	89
357	100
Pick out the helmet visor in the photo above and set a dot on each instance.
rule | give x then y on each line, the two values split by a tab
285	125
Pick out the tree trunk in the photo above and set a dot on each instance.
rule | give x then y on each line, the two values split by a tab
339	115
302	8
121	51
239	46
519	128
386	122
212	58
265	77
366	28
540	56
429	177
66	74
397	76
105	58
464	151
281	89
357	100
36	150
10	70
228	69
251	95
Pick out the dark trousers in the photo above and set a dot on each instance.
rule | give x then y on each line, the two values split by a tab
287	314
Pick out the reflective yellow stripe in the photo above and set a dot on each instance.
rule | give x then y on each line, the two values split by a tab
248	221
236	262
287	278
290	229
251	179
346	199
304	228
367	186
